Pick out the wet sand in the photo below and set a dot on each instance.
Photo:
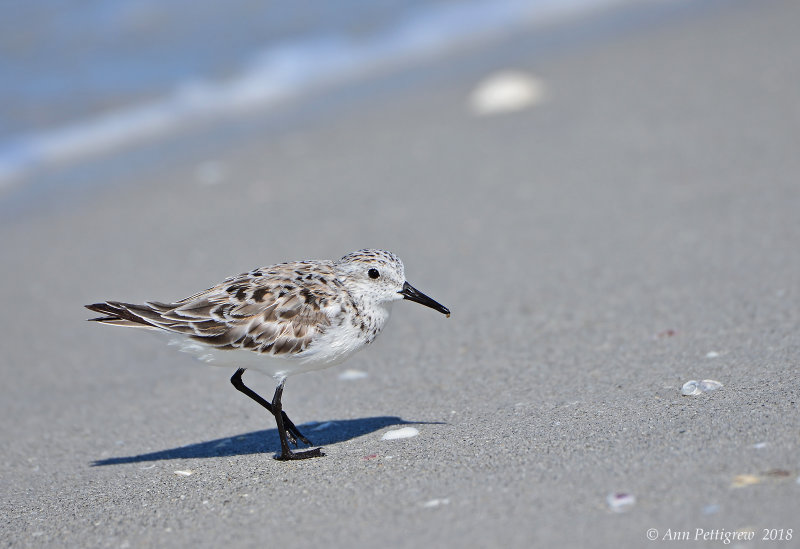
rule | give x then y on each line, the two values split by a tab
636	229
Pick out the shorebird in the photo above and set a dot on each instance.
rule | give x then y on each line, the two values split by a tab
281	320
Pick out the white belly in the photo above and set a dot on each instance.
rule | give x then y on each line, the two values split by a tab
331	347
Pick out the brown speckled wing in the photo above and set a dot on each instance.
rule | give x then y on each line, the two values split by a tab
276	310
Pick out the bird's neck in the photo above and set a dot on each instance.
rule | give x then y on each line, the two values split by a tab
372	317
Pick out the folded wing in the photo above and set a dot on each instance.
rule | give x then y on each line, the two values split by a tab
271	312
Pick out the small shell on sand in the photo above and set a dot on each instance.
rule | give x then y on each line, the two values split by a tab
350	375
740	481
405	432
620	502
506	91
436	502
694	387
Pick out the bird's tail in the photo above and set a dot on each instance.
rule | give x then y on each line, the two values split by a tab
126	314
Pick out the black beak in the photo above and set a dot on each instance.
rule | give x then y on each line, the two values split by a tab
412	294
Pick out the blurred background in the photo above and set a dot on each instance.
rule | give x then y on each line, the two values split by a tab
83	79
604	193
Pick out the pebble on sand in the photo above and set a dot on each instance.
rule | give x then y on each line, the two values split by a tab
740	481
771	475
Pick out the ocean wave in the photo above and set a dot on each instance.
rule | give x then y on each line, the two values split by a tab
278	73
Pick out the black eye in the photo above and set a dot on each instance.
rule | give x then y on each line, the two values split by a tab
373	273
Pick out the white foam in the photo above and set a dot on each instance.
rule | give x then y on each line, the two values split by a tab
405	432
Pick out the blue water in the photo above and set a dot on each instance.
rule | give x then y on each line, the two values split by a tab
81	78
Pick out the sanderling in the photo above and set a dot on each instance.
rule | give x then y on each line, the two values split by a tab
281	320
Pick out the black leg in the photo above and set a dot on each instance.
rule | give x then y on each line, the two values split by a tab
293	431
286	453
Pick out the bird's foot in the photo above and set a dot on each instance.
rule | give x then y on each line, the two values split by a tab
287	454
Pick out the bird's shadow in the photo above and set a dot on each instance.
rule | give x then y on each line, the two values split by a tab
266	440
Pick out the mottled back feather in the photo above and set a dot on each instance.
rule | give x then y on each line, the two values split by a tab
275	310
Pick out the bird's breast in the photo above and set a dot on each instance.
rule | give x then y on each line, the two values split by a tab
340	340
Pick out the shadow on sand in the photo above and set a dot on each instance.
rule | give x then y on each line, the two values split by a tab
257	442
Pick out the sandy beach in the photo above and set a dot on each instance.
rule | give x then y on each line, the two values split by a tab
634	227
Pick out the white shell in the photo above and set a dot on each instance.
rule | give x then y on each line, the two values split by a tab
506	91
620	501
694	387
405	432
